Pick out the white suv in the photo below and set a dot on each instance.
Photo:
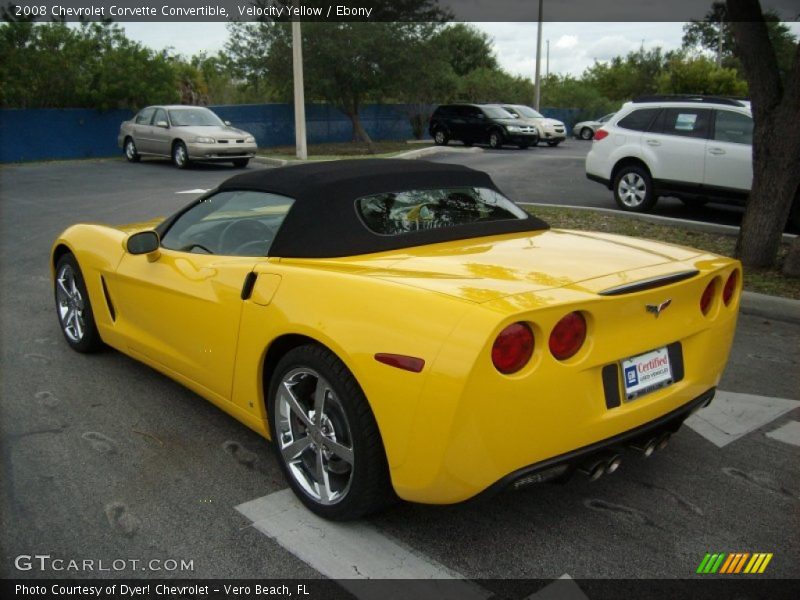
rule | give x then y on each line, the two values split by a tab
696	148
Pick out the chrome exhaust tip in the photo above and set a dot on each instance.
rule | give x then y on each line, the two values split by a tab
613	463
594	470
646	447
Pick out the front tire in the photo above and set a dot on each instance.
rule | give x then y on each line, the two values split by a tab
587	133
73	307
241	163
495	140
440	137
131	154
180	156
633	189
554	143
325	436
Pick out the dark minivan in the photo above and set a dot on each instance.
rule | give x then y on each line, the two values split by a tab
480	124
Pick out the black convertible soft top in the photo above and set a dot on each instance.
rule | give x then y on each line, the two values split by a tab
323	221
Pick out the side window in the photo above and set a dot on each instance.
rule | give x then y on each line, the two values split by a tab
639	120
733	127
144	116
161	115
686	122
235	223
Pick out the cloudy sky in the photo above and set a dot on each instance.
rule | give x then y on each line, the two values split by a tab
573	46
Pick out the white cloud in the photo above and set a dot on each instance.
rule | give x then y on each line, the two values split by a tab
567	42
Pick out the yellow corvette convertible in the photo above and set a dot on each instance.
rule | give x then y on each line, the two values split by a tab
401	328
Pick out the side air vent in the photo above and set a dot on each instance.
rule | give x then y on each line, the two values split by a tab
648	284
109	304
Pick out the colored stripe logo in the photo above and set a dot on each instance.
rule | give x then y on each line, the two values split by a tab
734	563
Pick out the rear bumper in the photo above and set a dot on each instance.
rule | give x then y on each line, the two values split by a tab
566	464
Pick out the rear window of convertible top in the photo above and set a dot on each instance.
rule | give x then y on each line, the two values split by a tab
396	213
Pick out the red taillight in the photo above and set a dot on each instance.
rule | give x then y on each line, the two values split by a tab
730	287
707	297
600	134
568	336
513	348
408	363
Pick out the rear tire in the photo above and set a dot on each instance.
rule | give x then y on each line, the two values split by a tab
440	137
587	133
633	189
73	307
325	436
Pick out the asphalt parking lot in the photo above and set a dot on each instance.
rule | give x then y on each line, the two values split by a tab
104	458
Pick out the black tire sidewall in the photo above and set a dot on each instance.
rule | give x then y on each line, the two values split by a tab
91	341
369	488
445	137
584	132
135	157
650	197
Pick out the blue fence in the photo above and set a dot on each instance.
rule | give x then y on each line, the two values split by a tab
40	134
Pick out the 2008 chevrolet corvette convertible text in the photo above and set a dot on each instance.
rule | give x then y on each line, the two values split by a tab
401	328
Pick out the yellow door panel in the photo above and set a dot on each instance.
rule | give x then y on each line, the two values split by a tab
183	312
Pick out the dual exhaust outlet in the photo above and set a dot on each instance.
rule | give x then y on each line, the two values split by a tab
607	463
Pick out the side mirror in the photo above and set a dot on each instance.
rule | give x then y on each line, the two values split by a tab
162	124
144	242
228	123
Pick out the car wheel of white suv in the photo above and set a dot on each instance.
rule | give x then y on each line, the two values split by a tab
633	189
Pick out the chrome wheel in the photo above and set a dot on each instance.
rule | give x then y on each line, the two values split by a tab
313	436
494	140
440	138
70	304
632	190
130	150
180	156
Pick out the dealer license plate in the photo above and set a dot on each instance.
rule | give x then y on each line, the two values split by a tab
646	372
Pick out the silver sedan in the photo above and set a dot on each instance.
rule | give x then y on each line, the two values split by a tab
185	134
586	129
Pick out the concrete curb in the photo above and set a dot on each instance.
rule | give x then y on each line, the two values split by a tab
770	307
273	162
658	220
412	154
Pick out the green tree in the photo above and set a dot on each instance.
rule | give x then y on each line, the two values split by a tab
699	75
567	91
493	85
465	48
623	78
92	66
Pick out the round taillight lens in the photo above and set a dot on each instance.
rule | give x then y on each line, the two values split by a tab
513	348
730	287
708	297
568	336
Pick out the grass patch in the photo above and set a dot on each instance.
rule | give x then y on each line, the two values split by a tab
764	281
342	150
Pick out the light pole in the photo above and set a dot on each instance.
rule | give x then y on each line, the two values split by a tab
299	93
547	62
538	82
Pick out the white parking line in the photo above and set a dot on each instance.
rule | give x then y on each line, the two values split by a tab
197	191
731	416
349	552
788	433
